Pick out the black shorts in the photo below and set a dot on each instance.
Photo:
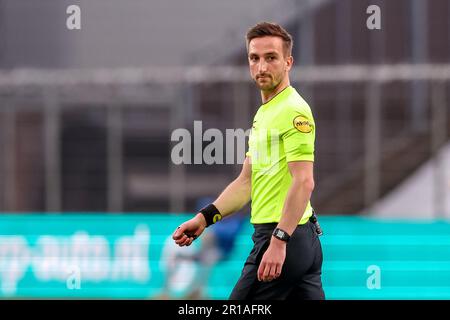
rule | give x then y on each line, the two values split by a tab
301	273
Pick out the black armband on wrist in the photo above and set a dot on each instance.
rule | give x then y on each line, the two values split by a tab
211	214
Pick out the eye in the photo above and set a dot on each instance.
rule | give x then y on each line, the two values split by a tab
253	58
270	58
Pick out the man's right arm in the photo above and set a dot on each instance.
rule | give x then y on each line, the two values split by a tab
236	195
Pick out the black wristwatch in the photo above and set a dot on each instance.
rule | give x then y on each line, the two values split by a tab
280	234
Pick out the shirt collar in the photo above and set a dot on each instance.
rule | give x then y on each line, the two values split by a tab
278	96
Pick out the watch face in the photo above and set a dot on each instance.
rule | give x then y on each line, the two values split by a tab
280	233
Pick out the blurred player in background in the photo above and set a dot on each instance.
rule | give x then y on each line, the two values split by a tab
277	175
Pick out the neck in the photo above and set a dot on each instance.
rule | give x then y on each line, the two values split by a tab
266	96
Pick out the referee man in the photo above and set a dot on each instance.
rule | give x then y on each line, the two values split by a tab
277	175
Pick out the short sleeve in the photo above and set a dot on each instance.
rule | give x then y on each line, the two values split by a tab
250	144
299	136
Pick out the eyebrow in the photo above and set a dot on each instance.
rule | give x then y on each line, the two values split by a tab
265	54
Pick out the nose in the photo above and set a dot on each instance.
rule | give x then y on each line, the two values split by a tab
262	66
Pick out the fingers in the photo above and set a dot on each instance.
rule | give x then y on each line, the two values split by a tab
185	240
266	274
277	271
261	269
178	234
268	271
190	239
181	238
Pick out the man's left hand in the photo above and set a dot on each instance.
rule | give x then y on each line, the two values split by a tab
272	260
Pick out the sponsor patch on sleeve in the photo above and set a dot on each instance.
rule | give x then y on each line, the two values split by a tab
302	124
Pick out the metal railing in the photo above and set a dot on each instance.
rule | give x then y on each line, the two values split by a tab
172	90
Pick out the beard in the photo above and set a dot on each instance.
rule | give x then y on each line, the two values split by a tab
266	82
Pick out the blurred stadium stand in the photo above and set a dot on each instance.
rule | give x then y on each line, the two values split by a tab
87	115
429	187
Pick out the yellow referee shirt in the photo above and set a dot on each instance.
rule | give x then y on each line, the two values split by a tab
283	130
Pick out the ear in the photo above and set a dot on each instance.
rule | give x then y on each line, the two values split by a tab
289	63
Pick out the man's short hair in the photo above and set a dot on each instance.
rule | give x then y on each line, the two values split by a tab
264	29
